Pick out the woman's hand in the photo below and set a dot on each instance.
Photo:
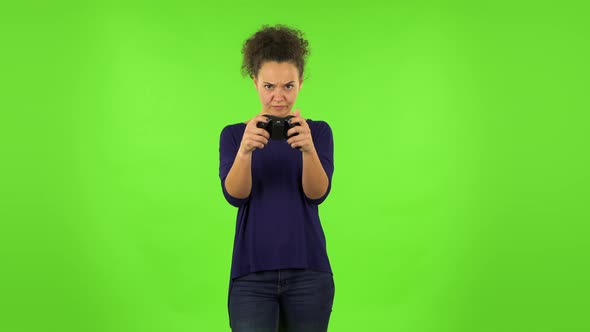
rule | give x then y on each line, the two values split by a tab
254	137
303	140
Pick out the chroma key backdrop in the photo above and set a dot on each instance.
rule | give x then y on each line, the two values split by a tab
460	194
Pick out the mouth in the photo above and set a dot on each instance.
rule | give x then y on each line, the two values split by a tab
279	107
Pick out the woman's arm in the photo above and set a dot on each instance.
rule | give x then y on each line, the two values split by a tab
238	182
314	178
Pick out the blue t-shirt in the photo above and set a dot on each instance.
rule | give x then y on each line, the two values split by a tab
278	226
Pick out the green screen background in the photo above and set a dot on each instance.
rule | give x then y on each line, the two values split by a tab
460	193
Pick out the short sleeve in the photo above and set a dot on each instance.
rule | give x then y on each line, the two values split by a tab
324	144
228	148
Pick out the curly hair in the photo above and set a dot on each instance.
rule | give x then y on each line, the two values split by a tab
279	43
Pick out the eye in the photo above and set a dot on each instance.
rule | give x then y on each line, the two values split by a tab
289	86
267	85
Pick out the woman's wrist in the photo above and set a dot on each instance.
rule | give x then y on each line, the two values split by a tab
242	152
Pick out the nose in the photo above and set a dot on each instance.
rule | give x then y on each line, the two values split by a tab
278	98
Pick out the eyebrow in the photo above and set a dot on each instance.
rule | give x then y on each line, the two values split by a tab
285	83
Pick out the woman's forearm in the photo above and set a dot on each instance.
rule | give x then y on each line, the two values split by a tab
314	178
238	182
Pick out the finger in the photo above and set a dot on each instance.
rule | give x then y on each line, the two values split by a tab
295	121
257	119
299	121
261	118
257	145
297	112
251	146
302	119
296	139
255	131
296	130
262	132
258	138
297	144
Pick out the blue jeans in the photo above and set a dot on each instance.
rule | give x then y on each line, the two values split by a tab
289	300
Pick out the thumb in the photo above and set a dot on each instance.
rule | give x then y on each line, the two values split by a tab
297	112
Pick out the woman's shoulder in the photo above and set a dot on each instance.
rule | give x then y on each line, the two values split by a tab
234	128
318	124
320	130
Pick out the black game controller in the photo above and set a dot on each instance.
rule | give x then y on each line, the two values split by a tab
278	126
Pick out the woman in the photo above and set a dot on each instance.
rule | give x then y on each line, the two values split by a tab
281	278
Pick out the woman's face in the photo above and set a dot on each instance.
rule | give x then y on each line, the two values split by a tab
278	85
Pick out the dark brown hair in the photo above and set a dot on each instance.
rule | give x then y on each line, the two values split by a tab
278	43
